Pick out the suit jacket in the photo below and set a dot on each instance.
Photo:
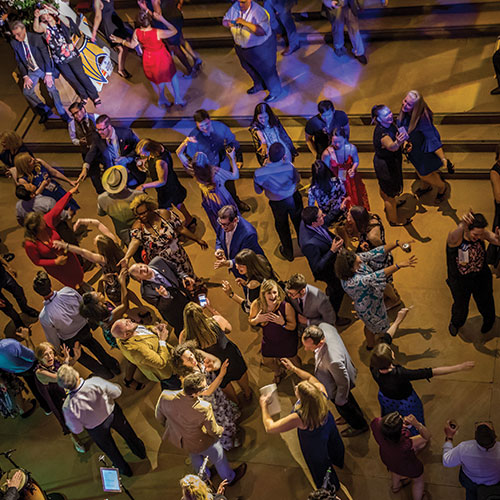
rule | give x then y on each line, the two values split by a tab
189	422
317	307
11	494
127	141
316	248
245	236
38	50
145	352
333	366
171	308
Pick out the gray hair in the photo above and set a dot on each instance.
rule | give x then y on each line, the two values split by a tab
16	24
67	377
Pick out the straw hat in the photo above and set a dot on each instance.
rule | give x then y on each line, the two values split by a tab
114	179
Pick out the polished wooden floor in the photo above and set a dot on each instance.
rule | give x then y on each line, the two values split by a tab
275	467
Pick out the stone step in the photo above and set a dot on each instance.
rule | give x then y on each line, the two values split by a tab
467	165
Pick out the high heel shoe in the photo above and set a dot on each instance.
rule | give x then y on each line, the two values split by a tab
450	167
124	74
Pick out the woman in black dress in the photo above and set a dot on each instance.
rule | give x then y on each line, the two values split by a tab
388	160
493	255
210	335
112	24
156	161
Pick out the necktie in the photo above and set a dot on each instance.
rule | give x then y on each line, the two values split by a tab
29	57
301	304
113	153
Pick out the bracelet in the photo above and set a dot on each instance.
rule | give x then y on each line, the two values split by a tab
397	243
397	267
231	295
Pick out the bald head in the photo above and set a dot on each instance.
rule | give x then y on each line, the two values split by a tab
141	272
123	329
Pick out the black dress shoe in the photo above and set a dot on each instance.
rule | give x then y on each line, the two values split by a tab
243	207
289	258
362	59
44	118
239	473
450	167
30	311
495	91
253	90
453	330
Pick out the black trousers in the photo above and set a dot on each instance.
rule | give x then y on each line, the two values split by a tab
105	366
496	64
335	293
74	73
352	414
103	438
30	378
480	287
95	175
7	282
231	188
289	207
260	63
9	310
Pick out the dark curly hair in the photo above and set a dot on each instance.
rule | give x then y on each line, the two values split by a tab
178	363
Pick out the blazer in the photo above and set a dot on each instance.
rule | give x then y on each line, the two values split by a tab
189	422
145	352
245	236
316	248
333	366
38	50
317	307
171	308
127	141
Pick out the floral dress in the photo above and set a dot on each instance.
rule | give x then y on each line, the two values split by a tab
164	243
226	414
366	289
329	202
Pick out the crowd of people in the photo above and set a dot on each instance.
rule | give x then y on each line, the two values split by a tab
190	352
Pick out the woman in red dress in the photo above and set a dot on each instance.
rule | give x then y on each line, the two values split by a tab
40	233
342	158
157	62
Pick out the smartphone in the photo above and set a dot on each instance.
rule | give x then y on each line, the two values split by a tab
110	478
202	299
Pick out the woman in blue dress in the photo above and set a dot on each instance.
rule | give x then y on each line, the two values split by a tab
40	174
328	192
364	281
426	150
319	437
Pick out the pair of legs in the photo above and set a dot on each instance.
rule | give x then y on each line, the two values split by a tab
433	179
341	17
289	207
188	217
217	456
173	87
122	56
74	73
275	365
417	485
281	18
390	207
243	384
32	98
352	414
103	438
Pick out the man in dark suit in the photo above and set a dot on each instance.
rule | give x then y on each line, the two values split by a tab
311	304
111	146
320	247
164	289
233	235
35	63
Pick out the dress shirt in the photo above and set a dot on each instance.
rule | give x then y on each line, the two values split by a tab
160	279
322	232
60	316
113	147
90	404
142	330
14	357
72	129
214	145
279	180
30	59
480	465
229	238
255	14
39	204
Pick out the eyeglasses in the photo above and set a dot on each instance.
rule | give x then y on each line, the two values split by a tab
139	214
225	224
103	128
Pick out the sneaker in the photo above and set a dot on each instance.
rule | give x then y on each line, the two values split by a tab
79	447
239	473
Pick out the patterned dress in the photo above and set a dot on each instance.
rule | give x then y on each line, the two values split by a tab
164	243
329	201
366	289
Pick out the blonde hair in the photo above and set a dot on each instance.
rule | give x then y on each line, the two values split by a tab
24	165
42	348
143	199
267	286
194	488
198	327
313	409
32	223
11	141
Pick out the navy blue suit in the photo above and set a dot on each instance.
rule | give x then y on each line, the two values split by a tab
40	54
316	248
245	236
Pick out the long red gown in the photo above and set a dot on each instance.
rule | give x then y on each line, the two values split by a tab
41	254
156	59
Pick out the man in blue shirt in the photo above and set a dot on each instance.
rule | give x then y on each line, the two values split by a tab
21	361
279	179
212	138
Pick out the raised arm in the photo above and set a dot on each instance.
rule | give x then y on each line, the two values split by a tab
54	172
445	370
86	254
455	237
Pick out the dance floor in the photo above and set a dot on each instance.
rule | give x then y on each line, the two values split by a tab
275	466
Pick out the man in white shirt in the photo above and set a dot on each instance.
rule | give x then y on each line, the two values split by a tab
90	405
334	368
62	323
479	458
255	46
81	128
